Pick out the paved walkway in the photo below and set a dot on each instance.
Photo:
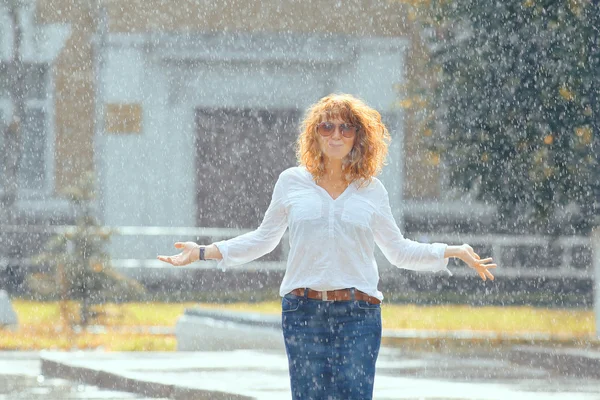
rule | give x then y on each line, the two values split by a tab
262	375
463	366
21	379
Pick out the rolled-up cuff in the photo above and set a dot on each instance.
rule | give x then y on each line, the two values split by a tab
222	246
439	250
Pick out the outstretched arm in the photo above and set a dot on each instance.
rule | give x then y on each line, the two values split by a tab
472	259
244	248
403	252
406	253
190	252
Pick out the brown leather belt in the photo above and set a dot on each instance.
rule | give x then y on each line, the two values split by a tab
336	295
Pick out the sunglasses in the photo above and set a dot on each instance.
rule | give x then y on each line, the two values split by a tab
328	128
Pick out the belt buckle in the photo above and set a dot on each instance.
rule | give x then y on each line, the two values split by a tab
324	296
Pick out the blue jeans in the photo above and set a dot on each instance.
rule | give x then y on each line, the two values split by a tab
332	347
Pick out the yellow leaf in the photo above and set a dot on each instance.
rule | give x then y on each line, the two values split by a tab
575	7
584	133
406	103
433	158
549	139
566	93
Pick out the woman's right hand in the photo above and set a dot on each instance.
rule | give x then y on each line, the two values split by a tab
189	254
474	261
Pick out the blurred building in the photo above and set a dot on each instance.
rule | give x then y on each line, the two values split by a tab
187	110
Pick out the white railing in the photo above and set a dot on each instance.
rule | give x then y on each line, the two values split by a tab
498	247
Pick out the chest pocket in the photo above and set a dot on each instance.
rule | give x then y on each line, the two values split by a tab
304	204
358	211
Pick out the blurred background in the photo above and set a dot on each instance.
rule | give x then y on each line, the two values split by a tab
127	125
183	115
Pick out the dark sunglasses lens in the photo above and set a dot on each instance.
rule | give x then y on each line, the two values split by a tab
326	128
348	130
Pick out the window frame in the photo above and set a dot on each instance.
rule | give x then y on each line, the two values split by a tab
46	106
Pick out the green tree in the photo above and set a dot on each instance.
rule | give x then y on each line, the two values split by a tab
515	94
79	267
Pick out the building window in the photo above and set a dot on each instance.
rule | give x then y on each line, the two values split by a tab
33	167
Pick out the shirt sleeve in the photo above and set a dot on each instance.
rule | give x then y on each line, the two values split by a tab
252	245
402	252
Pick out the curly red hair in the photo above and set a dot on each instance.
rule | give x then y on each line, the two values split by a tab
368	154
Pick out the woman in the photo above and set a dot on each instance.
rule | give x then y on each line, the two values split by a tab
336	210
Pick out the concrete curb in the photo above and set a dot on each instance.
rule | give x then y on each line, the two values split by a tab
8	317
567	362
53	366
240	317
204	329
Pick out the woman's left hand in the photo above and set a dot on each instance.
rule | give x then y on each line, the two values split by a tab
474	261
189	254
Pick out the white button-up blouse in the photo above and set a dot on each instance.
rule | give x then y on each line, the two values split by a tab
331	241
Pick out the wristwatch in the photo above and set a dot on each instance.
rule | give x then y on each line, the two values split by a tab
201	250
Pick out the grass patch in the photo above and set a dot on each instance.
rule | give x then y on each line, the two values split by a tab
127	327
509	320
124	327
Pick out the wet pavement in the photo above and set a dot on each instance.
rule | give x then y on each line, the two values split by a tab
411	366
21	379
467	374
